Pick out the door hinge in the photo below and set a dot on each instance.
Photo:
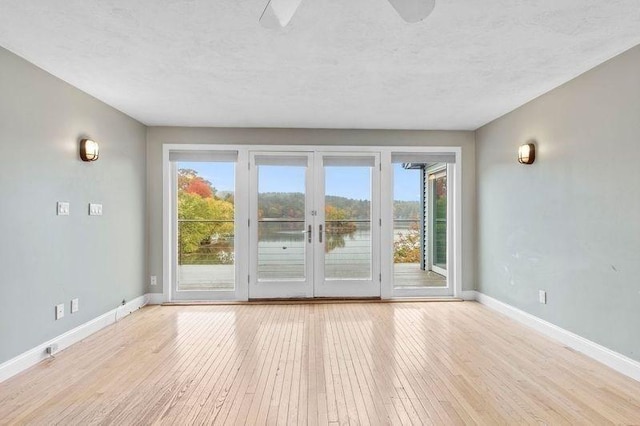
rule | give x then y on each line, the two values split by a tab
380	222
248	279
248	165
248	222
380	165
380	277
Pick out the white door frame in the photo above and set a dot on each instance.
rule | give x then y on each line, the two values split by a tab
191	294
240	218
454	239
454	179
269	289
344	287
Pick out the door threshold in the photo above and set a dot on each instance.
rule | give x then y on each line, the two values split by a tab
312	301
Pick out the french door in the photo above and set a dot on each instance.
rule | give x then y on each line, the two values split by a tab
314	224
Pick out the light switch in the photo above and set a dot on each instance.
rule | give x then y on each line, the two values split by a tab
59	311
542	297
63	208
95	209
74	306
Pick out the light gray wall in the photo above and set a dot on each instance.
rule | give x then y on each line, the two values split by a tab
45	259
157	136
570	223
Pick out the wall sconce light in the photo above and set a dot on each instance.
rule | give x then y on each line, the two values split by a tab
527	153
89	150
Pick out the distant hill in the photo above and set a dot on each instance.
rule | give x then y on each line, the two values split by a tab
406	209
291	205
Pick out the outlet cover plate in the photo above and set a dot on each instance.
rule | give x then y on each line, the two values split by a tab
59	311
63	208
74	306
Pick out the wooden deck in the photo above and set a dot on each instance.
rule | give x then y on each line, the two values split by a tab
206	277
221	277
410	275
404	363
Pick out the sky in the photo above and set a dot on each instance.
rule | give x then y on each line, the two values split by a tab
349	182
221	175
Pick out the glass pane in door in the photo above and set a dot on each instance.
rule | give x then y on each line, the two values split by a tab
411	236
281	222
347	204
440	221
206	226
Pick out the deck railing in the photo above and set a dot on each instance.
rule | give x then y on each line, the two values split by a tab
283	242
206	242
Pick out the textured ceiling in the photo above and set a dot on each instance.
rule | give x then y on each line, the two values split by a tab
339	64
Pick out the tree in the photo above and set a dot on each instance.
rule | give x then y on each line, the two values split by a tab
337	221
199	221
337	227
200	187
189	181
406	249
206	224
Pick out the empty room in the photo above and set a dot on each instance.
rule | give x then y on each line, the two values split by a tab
321	212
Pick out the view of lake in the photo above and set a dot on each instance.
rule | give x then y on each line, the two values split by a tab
206	222
349	255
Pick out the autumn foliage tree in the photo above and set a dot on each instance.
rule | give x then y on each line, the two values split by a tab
200	187
337	227
206	220
406	247
337	220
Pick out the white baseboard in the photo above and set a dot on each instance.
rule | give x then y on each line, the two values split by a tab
468	295
618	362
615	360
33	356
155	298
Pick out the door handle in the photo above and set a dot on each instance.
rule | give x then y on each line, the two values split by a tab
309	234
320	233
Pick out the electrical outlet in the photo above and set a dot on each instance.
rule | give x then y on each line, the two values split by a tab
52	349
154	280
95	209
74	306
542	297
59	311
63	208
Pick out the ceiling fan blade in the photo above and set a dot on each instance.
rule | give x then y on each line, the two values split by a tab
413	10
278	13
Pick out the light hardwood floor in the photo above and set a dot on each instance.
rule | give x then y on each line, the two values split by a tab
358	363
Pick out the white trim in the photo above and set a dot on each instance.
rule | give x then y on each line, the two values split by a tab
323	287
612	359
386	215
454	272
241	200
298	288
33	356
454	232
458	208
308	148
469	295
167	225
239	291
155	298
